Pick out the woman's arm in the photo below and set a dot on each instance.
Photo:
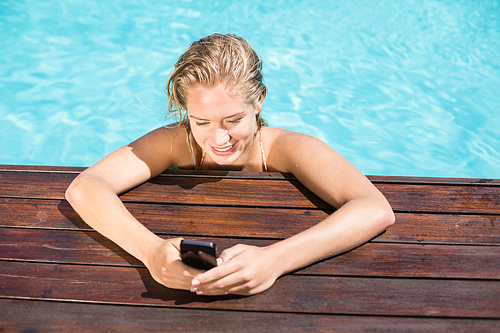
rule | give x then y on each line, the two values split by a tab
94	196
362	213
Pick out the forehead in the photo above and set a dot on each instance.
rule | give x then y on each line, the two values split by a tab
212	102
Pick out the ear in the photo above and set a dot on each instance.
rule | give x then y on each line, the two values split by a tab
260	102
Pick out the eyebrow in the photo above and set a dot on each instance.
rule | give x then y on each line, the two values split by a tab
242	113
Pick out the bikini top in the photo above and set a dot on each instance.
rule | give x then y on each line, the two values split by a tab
264	164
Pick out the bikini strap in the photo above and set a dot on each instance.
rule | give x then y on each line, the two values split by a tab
263	153
202	159
191	150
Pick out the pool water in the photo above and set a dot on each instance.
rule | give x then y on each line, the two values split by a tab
399	88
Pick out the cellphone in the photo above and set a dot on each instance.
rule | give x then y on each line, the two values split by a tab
198	254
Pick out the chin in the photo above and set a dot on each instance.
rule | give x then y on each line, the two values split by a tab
226	160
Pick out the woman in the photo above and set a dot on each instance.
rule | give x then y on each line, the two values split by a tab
217	89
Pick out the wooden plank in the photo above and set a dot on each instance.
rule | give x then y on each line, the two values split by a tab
35	316
229	192
59	246
373	259
169	173
374	179
434	180
292	293
172	219
444	229
237	192
253	222
413	261
442	198
41	168
416	198
163	189
31	184
240	175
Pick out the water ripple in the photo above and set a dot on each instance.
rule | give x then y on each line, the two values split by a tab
398	88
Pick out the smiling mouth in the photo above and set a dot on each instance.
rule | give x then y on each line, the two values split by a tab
223	150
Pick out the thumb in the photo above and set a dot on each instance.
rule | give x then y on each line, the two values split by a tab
176	242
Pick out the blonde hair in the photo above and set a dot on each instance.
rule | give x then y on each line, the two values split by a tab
216	59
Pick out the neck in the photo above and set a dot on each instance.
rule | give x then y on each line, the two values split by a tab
250	161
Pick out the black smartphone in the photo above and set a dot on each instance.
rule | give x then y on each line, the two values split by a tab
198	254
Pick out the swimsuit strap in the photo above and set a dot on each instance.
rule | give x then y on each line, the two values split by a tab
202	159
261	150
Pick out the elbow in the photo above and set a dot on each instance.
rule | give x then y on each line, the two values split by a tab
387	217
73	193
78	192
85	189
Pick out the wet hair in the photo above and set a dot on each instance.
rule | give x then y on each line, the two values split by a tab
216	59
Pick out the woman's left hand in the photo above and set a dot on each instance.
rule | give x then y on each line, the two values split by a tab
242	270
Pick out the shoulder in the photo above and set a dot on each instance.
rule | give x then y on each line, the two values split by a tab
281	136
316	165
286	149
164	147
161	138
168	131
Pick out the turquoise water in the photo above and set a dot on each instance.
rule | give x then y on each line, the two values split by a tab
398	88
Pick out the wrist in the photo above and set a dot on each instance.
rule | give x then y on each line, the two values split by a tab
279	259
147	249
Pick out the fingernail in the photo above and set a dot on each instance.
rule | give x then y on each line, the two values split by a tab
219	261
193	290
199	293
195	282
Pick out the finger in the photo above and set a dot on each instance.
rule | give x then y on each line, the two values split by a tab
220	287
206	279
242	282
220	279
232	252
179	275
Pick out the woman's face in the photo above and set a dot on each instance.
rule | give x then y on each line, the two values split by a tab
221	122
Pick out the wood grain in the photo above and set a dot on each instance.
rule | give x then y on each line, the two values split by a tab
435	270
291	293
271	223
260	193
28	316
373	259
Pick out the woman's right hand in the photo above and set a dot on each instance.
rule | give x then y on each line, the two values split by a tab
166	267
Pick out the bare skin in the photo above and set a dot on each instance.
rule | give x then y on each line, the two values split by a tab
224	126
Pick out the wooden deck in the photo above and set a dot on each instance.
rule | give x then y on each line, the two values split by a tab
437	269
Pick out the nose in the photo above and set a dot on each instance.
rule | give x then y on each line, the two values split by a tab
221	137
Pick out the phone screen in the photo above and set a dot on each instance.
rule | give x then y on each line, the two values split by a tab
198	254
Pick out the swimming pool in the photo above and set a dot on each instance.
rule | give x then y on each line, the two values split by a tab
398	88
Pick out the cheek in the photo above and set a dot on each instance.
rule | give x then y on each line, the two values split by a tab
240	133
244	130
199	134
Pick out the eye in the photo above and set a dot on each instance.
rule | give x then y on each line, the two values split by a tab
201	123
235	120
